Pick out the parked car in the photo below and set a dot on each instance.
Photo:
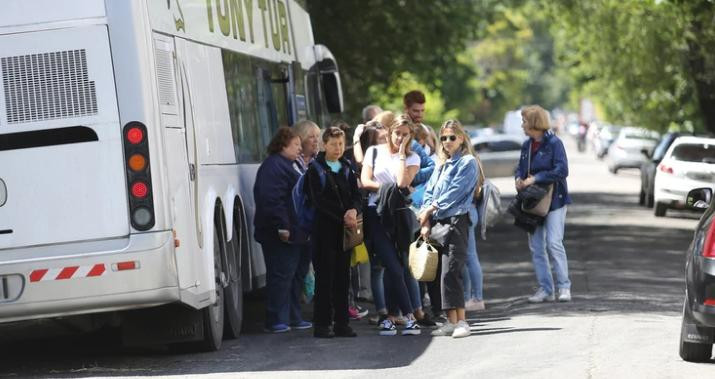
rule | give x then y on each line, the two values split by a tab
499	153
653	158
698	325
625	152
689	163
604	139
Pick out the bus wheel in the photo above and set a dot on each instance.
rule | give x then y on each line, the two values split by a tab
234	290
213	314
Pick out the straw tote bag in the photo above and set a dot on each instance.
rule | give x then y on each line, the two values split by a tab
423	260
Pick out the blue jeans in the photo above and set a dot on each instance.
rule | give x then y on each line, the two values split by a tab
282	261
548	238
396	288
473	279
304	259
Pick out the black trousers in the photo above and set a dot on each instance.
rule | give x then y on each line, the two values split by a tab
332	275
453	260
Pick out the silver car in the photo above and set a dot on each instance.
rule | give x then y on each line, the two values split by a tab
499	153
627	150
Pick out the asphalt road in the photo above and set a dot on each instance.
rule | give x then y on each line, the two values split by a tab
624	321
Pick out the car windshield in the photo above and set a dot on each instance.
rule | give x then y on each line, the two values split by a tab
700	152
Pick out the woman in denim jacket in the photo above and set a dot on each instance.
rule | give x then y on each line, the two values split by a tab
448	199
549	165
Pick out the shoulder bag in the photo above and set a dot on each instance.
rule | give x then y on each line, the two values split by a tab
542	207
351	237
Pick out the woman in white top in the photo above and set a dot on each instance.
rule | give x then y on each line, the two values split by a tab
388	164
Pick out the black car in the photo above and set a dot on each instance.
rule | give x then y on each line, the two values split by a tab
698	328
648	168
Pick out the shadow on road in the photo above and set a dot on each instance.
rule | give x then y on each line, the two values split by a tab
627	263
622	260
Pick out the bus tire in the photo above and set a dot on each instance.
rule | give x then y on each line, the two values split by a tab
213	314
234	290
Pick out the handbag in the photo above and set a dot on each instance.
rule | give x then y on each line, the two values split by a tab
353	237
423	261
543	206
440	232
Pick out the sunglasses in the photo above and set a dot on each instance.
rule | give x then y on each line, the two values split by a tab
445	138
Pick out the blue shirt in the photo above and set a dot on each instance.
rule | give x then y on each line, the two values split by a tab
548	165
426	165
334	165
451	187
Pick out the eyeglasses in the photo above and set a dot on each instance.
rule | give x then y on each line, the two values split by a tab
445	138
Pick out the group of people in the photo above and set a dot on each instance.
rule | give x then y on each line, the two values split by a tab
398	182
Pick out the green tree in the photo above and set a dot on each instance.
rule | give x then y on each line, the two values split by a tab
637	58
376	41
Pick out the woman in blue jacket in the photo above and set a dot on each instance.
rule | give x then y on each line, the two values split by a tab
272	192
447	200
549	165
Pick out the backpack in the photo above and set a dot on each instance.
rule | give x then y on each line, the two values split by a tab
304	211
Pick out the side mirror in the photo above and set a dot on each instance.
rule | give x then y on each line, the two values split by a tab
699	198
333	90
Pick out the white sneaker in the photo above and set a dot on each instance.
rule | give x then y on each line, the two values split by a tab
445	330
540	296
462	330
564	295
474	305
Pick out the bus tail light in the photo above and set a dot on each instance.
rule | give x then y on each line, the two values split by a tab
136	149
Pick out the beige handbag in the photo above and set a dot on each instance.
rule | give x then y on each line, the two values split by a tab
423	260
542	208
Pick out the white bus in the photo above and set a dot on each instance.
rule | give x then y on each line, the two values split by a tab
130	135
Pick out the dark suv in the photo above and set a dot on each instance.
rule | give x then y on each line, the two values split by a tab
698	328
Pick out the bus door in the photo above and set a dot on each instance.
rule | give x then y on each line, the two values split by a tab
177	121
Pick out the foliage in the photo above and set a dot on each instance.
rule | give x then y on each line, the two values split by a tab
630	57
510	66
376	41
390	98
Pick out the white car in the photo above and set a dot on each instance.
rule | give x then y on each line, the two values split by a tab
627	150
689	163
499	153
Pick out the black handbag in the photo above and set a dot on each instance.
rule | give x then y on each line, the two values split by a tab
441	231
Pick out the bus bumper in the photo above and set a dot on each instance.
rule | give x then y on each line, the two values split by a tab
89	277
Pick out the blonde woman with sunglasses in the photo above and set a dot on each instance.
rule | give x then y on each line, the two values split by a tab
447	201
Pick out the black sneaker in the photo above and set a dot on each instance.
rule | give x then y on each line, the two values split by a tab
323	332
387	328
344	331
426	321
411	328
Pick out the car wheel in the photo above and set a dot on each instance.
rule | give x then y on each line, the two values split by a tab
660	209
692	352
641	197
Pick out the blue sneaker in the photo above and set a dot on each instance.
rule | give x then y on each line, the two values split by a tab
411	328
277	328
302	324
387	328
